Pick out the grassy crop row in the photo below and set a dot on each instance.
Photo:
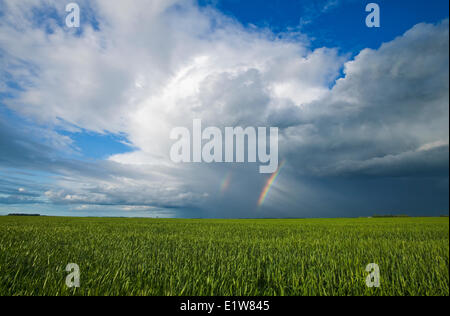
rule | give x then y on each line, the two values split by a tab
224	257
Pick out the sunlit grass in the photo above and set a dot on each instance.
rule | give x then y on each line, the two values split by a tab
224	257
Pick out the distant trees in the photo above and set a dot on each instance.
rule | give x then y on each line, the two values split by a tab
382	216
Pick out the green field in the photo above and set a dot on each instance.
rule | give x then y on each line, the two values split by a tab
224	257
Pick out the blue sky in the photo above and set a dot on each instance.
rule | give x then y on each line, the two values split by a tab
85	114
334	23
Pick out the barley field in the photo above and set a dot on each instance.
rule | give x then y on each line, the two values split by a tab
178	257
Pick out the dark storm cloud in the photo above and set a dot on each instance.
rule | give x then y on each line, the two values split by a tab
388	116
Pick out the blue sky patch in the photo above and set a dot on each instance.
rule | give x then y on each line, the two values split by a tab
98	146
334	23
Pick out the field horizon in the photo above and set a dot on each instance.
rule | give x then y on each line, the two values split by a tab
224	257
225	218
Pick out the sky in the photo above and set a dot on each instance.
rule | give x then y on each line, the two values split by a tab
86	113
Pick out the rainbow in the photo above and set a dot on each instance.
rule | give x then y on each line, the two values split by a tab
225	183
269	184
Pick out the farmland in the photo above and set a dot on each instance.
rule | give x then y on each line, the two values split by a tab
224	257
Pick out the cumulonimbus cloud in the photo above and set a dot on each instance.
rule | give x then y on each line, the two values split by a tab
145	69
